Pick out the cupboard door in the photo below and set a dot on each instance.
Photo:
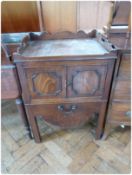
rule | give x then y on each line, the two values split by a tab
86	81
43	82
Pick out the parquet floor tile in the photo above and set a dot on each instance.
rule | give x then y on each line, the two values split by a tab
61	151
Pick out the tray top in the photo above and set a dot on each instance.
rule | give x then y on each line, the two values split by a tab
63	48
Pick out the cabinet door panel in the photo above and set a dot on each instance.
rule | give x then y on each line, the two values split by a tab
86	81
44	82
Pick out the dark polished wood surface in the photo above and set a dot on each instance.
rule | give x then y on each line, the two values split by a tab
65	90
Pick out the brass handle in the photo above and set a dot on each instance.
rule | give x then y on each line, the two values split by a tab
67	111
128	114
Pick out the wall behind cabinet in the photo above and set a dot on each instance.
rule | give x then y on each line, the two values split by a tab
76	15
59	16
93	14
55	16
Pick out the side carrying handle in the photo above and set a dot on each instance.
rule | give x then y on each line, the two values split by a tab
67	111
103	40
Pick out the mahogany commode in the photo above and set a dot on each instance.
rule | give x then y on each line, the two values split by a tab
65	78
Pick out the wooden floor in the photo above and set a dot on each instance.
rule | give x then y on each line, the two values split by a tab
72	151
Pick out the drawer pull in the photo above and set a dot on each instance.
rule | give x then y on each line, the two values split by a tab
128	114
67	111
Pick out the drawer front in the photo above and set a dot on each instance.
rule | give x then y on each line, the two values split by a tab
65	115
9	84
125	67
121	112
122	90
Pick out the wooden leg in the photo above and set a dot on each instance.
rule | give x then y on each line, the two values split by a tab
34	126
35	129
107	131
101	121
22	112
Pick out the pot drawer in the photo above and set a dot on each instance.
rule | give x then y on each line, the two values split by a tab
9	84
121	112
65	115
122	90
